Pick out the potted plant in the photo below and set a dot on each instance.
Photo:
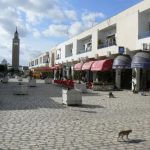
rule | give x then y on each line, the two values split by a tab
80	85
32	80
49	78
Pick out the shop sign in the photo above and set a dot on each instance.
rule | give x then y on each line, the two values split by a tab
121	49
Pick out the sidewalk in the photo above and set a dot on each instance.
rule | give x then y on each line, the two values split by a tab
39	121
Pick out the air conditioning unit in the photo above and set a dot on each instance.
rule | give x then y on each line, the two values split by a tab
108	53
145	46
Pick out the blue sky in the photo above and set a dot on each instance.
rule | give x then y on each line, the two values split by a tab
44	23
109	7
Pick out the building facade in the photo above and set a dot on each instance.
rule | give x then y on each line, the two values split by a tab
15	50
119	38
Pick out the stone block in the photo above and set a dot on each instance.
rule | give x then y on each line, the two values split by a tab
71	97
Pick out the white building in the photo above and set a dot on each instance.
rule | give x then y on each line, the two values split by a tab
40	61
126	33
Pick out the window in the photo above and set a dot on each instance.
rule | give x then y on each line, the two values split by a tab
40	60
58	54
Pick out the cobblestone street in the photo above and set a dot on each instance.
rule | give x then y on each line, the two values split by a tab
39	121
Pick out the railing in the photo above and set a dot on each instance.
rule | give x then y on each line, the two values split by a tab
45	62
68	55
144	35
106	45
85	50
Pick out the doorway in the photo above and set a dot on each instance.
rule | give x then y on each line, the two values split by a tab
126	78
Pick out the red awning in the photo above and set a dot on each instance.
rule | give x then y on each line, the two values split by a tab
78	66
42	69
87	65
55	67
102	65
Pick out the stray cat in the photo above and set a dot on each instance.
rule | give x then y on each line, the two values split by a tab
123	133
111	95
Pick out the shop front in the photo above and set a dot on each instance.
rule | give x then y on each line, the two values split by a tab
103	75
141	71
42	72
122	66
87	73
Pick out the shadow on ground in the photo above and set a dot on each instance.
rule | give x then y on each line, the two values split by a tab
133	141
90	94
38	97
88	106
136	141
91	106
86	111
29	104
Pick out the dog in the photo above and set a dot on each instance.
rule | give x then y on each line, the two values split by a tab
123	133
68	89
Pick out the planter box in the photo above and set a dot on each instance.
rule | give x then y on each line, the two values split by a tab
80	87
48	81
32	82
21	90
71	97
5	80
103	87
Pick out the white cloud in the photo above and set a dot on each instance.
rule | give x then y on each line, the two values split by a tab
56	31
89	19
75	28
91	16
71	14
36	10
37	19
36	33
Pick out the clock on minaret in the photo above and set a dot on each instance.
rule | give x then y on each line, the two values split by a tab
16	43
15	50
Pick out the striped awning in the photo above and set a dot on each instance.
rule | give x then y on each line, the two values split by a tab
55	67
78	66
141	60
122	62
102	65
87	65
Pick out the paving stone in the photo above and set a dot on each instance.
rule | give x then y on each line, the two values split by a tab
40	121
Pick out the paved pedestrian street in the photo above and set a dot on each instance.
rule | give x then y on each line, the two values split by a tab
39	121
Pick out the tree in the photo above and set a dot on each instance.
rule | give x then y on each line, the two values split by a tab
3	69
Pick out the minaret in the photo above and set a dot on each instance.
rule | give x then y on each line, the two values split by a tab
15	50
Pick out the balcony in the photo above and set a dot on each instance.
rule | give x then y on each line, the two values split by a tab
87	49
68	50
144	35
106	45
107	37
84	45
68	55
